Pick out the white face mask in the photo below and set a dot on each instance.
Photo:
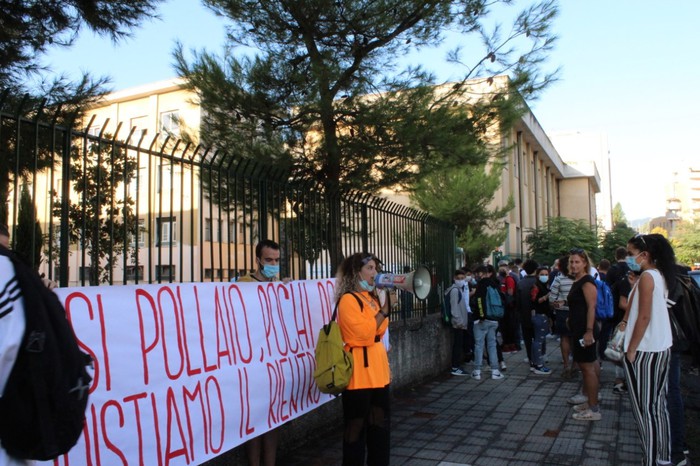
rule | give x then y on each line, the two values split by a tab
460	283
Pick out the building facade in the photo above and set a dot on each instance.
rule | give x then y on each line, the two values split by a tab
535	175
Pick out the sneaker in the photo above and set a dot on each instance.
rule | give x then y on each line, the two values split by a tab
496	375
619	389
458	371
541	370
581	408
587	415
577	399
476	375
503	365
532	367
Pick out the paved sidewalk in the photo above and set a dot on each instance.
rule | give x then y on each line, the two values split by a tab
523	419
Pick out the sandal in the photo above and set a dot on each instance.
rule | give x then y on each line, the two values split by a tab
587	415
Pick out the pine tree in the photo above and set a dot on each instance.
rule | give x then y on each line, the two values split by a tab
101	218
28	239
322	95
27	29
462	198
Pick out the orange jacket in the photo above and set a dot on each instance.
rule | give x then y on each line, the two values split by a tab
358	325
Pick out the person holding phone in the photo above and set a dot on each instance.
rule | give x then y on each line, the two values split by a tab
582	299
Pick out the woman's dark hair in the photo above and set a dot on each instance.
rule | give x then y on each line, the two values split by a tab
661	253
542	268
564	264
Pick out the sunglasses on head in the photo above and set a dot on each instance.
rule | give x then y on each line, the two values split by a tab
576	251
641	238
366	260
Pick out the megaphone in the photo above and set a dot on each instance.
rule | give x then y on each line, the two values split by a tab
416	282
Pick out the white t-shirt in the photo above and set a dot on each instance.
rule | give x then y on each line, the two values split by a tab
658	336
11	332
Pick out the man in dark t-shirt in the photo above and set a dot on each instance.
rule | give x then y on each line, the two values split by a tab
619	269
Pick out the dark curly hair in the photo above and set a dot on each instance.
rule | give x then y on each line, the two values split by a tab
347	278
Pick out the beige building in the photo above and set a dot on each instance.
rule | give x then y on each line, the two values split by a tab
171	214
585	150
682	200
541	183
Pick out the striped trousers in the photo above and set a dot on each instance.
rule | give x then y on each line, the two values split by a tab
647	382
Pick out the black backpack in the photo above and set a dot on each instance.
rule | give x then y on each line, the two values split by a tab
42	410
684	311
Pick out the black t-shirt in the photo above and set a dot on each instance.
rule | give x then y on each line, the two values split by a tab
621	287
618	271
578	310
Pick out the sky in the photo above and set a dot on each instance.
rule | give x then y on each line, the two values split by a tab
629	69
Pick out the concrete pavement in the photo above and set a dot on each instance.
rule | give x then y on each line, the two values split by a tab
523	419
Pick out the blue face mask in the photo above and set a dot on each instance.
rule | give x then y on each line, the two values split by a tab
544	278
270	271
632	263
366	286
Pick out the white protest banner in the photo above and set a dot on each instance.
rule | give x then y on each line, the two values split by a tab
185	372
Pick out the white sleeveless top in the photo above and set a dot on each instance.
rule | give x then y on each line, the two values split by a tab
658	335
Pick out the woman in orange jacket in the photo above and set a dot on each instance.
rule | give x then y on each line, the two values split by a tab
363	321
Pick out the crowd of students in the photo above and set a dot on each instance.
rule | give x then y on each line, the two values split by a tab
560	301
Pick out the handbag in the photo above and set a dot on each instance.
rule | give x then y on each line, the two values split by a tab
615	349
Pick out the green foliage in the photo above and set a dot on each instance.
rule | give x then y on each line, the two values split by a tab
462	196
615	238
28	28
320	93
686	243
101	219
618	215
31	27
28	239
559	236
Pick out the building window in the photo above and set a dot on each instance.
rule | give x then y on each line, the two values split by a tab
94	130
232	231
85	273
165	272
140	235
207	229
209	273
210	235
166	228
134	273
170	125
164	175
139	125
138	182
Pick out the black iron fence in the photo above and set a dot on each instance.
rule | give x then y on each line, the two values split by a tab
86	208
